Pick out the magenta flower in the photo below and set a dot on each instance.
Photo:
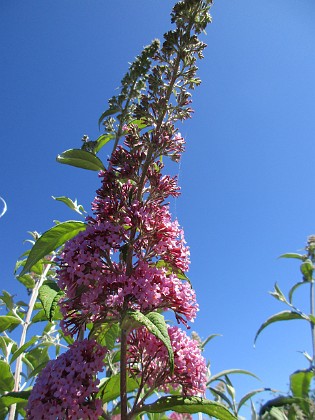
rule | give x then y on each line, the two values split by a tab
148	359
66	386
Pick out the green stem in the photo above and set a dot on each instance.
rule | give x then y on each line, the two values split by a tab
25	326
312	305
123	373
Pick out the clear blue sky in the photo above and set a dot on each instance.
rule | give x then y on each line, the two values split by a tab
248	174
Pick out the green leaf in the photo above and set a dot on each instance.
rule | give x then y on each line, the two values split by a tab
279	402
15	398
50	294
300	385
107	113
81	159
23	348
281	316
141	123
51	240
106	334
102	140
293	289
249	395
171	270
109	388
157	326
27	281
8	322
307	269
38	357
209	338
293	255
7	300
191	405
229	372
73	205
277	293
6	377
277	414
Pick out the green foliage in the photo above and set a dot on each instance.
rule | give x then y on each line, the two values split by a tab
81	159
49	294
51	240
73	205
191	405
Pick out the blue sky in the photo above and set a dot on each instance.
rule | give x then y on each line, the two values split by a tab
247	176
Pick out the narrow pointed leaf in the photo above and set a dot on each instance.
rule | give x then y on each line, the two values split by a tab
281	316
23	348
293	255
229	372
209	338
15	398
157	326
191	405
51	240
81	159
102	140
108	113
293	289
73	205
50	294
250	395
221	394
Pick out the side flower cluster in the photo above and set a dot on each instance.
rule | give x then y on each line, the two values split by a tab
132	255
66	386
148	359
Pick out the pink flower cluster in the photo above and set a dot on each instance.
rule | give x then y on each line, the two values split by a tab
148	359
65	387
132	255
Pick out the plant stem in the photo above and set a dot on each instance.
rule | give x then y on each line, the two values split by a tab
25	326
123	374
312	296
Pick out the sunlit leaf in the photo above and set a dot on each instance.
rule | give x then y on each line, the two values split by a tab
8	322
191	405
6	377
105	334
73	205
109	389
293	289
50	294
251	394
81	159
300	385
281	316
51	240
23	348
102	140
307	269
15	398
155	323
293	255
108	113
7	299
27	281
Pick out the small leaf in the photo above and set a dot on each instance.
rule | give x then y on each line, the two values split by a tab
7	300
50	294
8	322
281	316
250	395
300	385
102	140
27	281
229	372
155	323
81	159
23	348
293	289
107	113
51	240
15	398
106	334
293	255
73	205
6	377
209	338
109	389
191	405
307	270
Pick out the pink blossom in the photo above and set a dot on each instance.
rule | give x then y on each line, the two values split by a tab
66	387
148	358
180	416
